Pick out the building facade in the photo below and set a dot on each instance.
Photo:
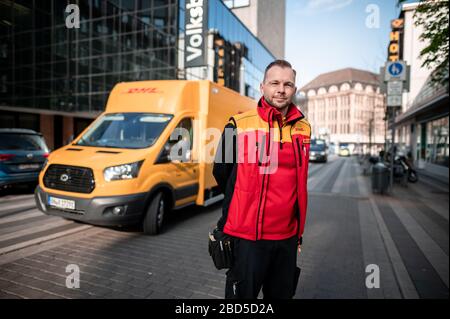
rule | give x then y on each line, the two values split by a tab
266	19
55	74
345	107
422	125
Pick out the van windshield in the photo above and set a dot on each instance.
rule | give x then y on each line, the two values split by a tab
126	130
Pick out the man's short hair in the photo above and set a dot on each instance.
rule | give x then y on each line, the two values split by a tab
281	64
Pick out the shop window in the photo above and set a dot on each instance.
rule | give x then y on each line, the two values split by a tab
438	142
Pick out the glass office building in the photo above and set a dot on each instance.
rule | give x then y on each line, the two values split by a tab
46	65
254	55
52	67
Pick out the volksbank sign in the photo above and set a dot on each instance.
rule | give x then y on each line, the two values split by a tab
195	40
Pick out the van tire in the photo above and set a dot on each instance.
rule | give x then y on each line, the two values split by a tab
154	216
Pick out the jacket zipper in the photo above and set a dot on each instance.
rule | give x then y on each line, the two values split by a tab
281	137
298	202
300	154
262	188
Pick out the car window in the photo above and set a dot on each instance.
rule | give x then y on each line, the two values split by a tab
185	131
317	147
26	142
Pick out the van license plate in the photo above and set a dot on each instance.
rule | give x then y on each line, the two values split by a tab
61	203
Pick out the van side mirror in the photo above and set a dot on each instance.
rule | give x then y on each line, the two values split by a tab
187	156
164	156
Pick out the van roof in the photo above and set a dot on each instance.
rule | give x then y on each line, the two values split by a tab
163	97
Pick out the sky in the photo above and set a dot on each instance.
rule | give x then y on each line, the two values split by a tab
328	35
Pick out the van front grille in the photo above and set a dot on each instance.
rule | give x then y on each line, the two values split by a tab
70	179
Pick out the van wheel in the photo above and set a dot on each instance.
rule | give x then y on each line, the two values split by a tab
154	216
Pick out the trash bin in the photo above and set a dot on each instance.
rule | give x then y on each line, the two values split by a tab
380	178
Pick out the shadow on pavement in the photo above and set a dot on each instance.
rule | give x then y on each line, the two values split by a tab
173	219
21	189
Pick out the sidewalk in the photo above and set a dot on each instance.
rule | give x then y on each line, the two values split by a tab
414	224
350	230
433	180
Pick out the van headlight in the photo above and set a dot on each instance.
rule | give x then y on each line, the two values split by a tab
322	153
121	172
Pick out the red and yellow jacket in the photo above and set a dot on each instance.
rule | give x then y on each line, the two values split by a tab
265	184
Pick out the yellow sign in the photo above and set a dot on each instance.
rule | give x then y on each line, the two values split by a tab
395	37
397	24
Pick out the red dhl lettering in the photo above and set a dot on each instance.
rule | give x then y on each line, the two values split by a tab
142	90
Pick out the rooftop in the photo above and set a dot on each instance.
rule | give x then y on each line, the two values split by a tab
348	75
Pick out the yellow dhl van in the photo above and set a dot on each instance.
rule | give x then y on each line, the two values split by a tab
119	171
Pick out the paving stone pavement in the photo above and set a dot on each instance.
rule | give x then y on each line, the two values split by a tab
348	229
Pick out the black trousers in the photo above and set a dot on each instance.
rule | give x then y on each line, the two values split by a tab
270	265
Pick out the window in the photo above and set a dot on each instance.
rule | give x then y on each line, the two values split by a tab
345	100
236	3
179	145
185	132
438	142
17	141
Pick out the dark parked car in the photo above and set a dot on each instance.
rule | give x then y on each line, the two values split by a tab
318	151
22	156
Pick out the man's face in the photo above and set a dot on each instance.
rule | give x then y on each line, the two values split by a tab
279	87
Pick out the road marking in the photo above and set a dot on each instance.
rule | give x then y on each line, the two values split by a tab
322	174
429	199
407	288
342	180
437	207
49	243
42	239
17	203
31	230
375	253
6	210
15	198
33	223
404	280
336	195
20	217
435	255
314	169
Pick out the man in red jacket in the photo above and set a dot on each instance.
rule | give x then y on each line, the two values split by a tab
261	166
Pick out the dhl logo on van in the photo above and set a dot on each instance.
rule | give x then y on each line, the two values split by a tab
142	90
299	129
306	141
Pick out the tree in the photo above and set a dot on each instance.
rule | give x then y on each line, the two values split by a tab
433	15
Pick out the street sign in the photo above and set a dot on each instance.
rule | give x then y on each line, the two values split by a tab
395	71
394	100
395	87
